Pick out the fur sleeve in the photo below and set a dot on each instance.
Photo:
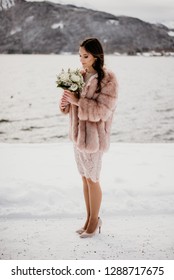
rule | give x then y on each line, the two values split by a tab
101	108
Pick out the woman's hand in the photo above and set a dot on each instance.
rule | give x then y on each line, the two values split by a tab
70	97
63	102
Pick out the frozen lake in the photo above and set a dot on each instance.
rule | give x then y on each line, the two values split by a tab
29	98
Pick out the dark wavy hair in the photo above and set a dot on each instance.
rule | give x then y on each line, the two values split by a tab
93	46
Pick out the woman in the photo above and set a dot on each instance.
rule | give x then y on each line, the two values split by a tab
90	123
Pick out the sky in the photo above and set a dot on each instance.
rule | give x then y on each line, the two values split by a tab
148	10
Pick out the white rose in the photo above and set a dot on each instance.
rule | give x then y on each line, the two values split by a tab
75	78
73	87
64	77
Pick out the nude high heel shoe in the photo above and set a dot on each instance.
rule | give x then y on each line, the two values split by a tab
80	231
98	227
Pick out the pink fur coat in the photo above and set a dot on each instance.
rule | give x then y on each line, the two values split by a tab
90	122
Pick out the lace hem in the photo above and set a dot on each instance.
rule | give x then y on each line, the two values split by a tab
89	164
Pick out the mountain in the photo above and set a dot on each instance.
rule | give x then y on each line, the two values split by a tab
45	27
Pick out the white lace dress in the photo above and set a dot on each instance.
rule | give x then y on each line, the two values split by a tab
89	164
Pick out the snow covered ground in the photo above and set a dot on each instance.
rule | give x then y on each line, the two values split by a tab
41	203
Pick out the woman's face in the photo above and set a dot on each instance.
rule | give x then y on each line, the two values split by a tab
86	59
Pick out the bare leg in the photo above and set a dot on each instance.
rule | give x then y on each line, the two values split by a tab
86	197
95	197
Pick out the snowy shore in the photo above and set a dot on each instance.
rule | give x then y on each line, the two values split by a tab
42	203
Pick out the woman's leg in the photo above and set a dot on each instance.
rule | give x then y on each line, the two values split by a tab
95	197
86	197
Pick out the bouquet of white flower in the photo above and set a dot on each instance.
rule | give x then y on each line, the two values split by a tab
71	80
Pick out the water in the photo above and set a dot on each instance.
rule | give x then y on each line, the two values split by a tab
29	98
